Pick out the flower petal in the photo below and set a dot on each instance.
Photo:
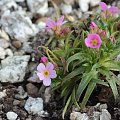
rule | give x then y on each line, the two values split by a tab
53	74
41	67
50	23
41	76
113	9
103	6
49	66
60	20
47	81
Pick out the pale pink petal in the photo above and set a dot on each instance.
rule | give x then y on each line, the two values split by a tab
103	6
41	67
53	74
113	9
44	59
60	20
41	76
87	42
49	66
50	23
47	81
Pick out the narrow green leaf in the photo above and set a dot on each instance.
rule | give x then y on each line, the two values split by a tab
84	82
66	106
88	93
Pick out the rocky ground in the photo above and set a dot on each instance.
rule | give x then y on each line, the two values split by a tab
22	95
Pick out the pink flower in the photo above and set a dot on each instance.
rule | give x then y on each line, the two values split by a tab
112	9
44	59
55	25
45	73
93	25
93	41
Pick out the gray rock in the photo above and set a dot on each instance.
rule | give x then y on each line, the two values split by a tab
18	25
13	69
38	6
21	93
7	4
96	115
4	43
66	8
34	106
27	47
47	94
78	116
2	53
105	115
11	115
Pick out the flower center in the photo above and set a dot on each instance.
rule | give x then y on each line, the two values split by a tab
56	27
46	73
94	42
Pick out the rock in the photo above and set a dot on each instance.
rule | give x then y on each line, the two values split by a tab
2	53
13	69
17	44
38	7
3	94
9	52
96	115
94	2
7	4
27	47
32	90
105	115
118	57
78	116
47	94
11	116
70	2
19	53
18	25
21	93
4	43
34	106
16	102
4	35
66	9
103	106
84	4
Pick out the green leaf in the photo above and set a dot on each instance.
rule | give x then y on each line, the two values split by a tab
73	74
59	52
77	56
88	93
84	82
66	106
113	86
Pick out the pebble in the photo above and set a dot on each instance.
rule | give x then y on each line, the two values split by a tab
3	94
105	115
34	106
32	90
4	35
38	6
66	8
11	115
4	43
17	44
13	68
2	53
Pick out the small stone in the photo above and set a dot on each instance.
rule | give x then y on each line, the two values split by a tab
103	106
34	106
66	9
105	115
13	68
9	52
21	93
47	94
4	43
38	6
4	35
32	90
70	2
96	115
2	53
27	47
16	102
17	44
11	115
94	2
3	94
78	116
